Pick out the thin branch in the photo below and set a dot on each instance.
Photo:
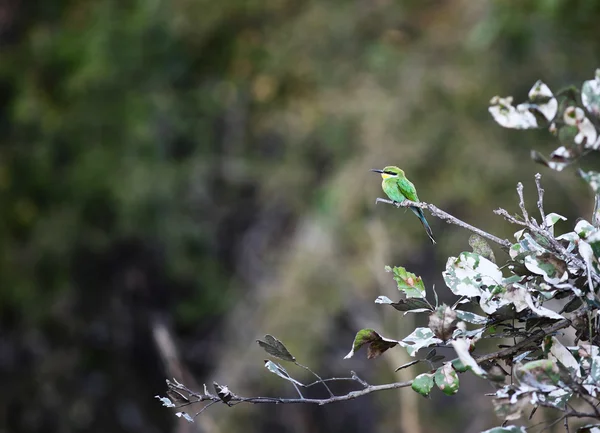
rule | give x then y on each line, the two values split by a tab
316	375
595	215
504	353
558	247
540	202
522	202
318	401
205	407
444	216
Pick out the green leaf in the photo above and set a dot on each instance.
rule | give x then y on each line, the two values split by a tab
418	339
446	379
377	344
275	348
423	384
561	354
407	282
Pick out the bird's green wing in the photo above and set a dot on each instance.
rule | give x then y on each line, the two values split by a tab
407	189
391	189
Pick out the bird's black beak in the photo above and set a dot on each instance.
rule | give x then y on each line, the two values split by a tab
376	170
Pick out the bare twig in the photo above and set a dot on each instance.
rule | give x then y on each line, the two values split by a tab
436	212
316	375
319	401
522	202
504	353
540	202
233	399
596	214
205	407
558	247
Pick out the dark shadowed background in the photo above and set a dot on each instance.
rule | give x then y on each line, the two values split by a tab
178	178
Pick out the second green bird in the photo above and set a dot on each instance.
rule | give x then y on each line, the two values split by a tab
398	188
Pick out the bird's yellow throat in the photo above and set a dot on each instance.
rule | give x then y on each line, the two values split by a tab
386	176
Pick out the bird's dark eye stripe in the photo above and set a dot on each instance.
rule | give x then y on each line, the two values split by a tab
390	172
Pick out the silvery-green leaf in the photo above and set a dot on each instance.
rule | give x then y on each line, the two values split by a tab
519	234
590	95
469	273
468	333
542	375
418	339
557	398
521	299
561	354
575	116
165	401
543	100
461	346
471	317
556	162
584	229
280	371
508	116
553	269
185	416
570	236
507	429
553	218
592	178
594	241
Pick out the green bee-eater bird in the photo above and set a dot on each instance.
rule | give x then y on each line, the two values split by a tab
398	188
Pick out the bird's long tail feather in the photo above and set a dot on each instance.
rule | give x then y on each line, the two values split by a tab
419	213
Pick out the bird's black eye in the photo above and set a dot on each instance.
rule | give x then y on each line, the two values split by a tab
390	173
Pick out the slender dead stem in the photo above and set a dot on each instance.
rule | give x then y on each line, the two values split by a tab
540	202
445	216
522	202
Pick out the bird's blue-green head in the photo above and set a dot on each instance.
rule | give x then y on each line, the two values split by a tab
389	171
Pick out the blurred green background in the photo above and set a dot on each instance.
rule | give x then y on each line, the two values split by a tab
178	178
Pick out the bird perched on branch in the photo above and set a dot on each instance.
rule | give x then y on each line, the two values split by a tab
398	188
